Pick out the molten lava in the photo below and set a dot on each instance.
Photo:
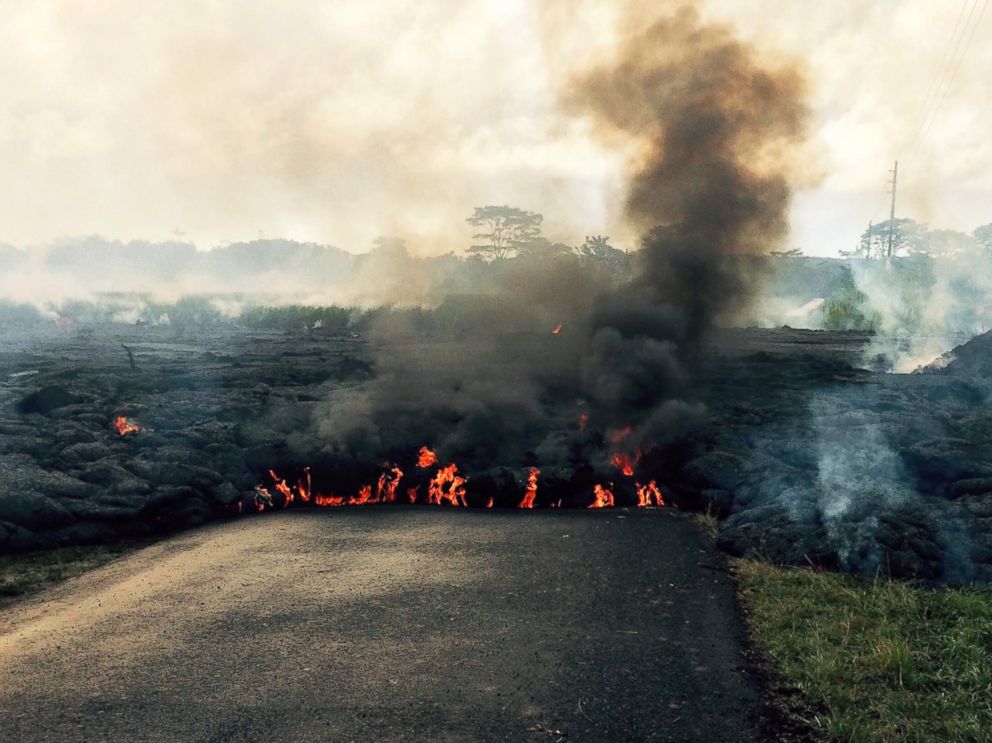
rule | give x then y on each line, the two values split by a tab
603	497
531	493
124	427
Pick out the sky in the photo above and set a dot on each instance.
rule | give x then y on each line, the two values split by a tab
226	120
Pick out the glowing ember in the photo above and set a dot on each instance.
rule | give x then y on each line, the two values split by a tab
124	426
603	497
649	495
447	486
557	329
531	493
427	458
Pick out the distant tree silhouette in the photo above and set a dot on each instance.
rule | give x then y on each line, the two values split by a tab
983	236
504	230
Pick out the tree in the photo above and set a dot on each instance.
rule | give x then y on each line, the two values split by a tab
791	253
908	237
543	248
983	236
949	244
504	230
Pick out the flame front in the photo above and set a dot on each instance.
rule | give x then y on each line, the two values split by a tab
124	426
446	487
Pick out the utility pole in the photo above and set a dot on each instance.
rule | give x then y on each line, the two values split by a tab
892	212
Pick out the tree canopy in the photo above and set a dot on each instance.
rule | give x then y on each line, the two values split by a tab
504	230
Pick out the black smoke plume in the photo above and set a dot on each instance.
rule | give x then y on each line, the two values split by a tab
714	129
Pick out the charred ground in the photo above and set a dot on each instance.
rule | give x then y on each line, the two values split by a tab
805	457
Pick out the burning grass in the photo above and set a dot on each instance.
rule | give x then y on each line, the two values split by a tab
879	660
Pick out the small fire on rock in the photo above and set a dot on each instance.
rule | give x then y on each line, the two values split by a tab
123	426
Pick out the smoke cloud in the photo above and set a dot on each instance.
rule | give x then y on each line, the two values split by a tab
711	129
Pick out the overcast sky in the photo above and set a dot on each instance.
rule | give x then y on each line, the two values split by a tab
339	122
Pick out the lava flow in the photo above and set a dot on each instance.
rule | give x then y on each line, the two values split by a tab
124	426
446	487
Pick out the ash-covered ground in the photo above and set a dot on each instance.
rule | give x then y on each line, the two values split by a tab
804	456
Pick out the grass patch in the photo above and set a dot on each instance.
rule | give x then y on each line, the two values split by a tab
875	660
24	574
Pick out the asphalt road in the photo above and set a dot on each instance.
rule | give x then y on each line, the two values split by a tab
390	624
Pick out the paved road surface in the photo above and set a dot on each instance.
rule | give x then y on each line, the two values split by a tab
389	624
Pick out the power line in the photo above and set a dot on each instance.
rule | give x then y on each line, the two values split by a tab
940	86
957	67
942	67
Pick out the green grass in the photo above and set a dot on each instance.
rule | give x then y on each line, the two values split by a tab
24	574
863	660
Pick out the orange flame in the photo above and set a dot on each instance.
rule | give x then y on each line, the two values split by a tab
583	421
603	497
305	489
386	488
282	487
649	495
326	501
447	485
626	463
427	458
531	493
557	329
124	427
